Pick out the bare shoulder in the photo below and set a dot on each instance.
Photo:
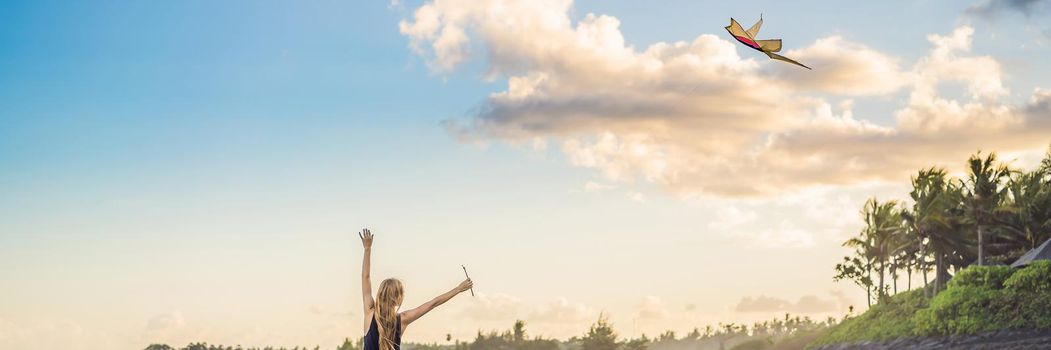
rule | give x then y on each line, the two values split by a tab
403	322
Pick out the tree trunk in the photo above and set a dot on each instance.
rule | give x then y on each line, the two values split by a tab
925	284
938	273
908	271
981	246
892	272
879	292
923	267
868	291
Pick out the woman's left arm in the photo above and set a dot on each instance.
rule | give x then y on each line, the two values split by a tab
366	281
409	316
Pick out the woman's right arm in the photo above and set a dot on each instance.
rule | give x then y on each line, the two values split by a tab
366	282
409	316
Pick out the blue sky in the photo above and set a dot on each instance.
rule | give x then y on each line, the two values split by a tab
183	171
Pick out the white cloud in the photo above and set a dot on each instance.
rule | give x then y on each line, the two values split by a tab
846	68
807	304
329	311
502	309
592	186
927	112
57	334
619	159
166	322
168	328
495	307
652	308
563	311
785	234
731	216
695	118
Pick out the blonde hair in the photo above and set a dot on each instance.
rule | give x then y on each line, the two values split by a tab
388	298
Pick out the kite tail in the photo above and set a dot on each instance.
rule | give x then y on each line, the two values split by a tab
786	59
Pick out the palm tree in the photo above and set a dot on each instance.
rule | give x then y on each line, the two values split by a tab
1026	213
931	220
909	248
876	241
984	179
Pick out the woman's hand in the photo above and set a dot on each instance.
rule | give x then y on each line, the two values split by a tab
464	286
366	238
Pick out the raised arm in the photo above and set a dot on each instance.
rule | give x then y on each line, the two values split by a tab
412	315
366	282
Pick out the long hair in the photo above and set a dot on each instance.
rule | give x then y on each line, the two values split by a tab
388	299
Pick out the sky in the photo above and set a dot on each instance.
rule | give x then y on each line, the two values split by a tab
174	172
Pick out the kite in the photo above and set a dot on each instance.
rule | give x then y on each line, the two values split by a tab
769	46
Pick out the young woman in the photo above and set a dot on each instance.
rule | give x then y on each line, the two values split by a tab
384	325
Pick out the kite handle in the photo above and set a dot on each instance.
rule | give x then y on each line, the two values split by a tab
468	277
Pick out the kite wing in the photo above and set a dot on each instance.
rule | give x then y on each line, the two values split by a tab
770	45
738	32
735	29
754	30
783	58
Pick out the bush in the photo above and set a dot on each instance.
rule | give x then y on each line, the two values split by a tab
1031	310
986	298
991	277
963	310
1033	278
1030	290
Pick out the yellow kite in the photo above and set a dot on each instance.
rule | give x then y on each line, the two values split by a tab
768	46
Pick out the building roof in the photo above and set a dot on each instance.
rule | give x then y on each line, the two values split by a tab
1041	252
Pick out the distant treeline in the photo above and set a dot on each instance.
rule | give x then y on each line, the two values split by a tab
602	336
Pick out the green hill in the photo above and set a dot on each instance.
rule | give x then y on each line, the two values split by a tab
978	299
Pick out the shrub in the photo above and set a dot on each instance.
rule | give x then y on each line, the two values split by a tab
1034	278
1030	310
991	277
963	310
1030	289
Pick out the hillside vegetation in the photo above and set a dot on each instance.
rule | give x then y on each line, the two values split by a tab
978	299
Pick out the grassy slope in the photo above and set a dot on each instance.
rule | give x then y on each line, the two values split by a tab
978	299
798	341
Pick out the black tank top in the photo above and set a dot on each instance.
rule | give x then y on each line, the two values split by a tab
372	337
